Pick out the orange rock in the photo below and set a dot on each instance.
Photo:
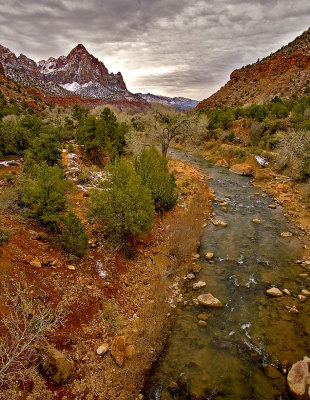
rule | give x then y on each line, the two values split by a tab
118	350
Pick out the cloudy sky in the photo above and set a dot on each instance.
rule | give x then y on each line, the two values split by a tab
170	47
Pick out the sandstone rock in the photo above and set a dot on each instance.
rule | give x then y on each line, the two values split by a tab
130	351
209	256
242	169
222	163
199	285
196	256
103	349
35	263
195	302
118	350
54	364
203	317
202	323
274	292
272	206
190	276
286	292
305	292
262	174
292	310
298	378
256	221
196	268
286	234
302	298
71	267
208	300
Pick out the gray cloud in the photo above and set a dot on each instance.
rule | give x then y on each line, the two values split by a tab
172	47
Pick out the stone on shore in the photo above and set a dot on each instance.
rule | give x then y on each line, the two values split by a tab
54	364
242	169
103	349
118	350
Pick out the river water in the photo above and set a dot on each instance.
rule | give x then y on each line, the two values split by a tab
238	355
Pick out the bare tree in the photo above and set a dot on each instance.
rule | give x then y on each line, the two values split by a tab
24	323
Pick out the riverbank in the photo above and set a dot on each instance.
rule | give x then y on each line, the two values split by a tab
105	295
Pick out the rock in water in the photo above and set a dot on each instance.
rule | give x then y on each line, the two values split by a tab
118	350
209	256
54	364
274	292
298	378
208	300
242	169
199	285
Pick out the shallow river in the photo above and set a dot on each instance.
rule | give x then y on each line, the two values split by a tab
238	355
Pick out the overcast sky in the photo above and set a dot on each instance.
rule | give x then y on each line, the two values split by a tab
170	47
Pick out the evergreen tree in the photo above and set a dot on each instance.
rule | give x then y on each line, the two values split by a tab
152	167
123	204
74	238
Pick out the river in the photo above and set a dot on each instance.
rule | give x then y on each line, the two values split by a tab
246	345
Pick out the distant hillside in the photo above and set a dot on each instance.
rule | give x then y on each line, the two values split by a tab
180	103
283	73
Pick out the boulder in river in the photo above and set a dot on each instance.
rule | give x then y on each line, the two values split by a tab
298	378
199	285
286	234
242	169
274	292
209	256
208	300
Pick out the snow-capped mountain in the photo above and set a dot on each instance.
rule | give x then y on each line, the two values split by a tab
78	72
180	103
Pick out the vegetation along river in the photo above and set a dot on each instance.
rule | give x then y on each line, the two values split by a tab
244	350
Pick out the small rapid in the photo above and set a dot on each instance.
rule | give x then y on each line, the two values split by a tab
245	346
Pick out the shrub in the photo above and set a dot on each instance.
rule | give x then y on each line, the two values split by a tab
293	153
123	204
4	236
153	170
44	148
45	195
74	239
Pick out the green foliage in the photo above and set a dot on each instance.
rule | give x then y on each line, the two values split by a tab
74	239
102	135
152	167
79	112
123	204
4	236
46	148
44	195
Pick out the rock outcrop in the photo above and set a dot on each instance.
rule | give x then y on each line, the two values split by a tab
79	74
283	73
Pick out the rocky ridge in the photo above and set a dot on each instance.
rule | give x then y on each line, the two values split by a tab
78	73
283	73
